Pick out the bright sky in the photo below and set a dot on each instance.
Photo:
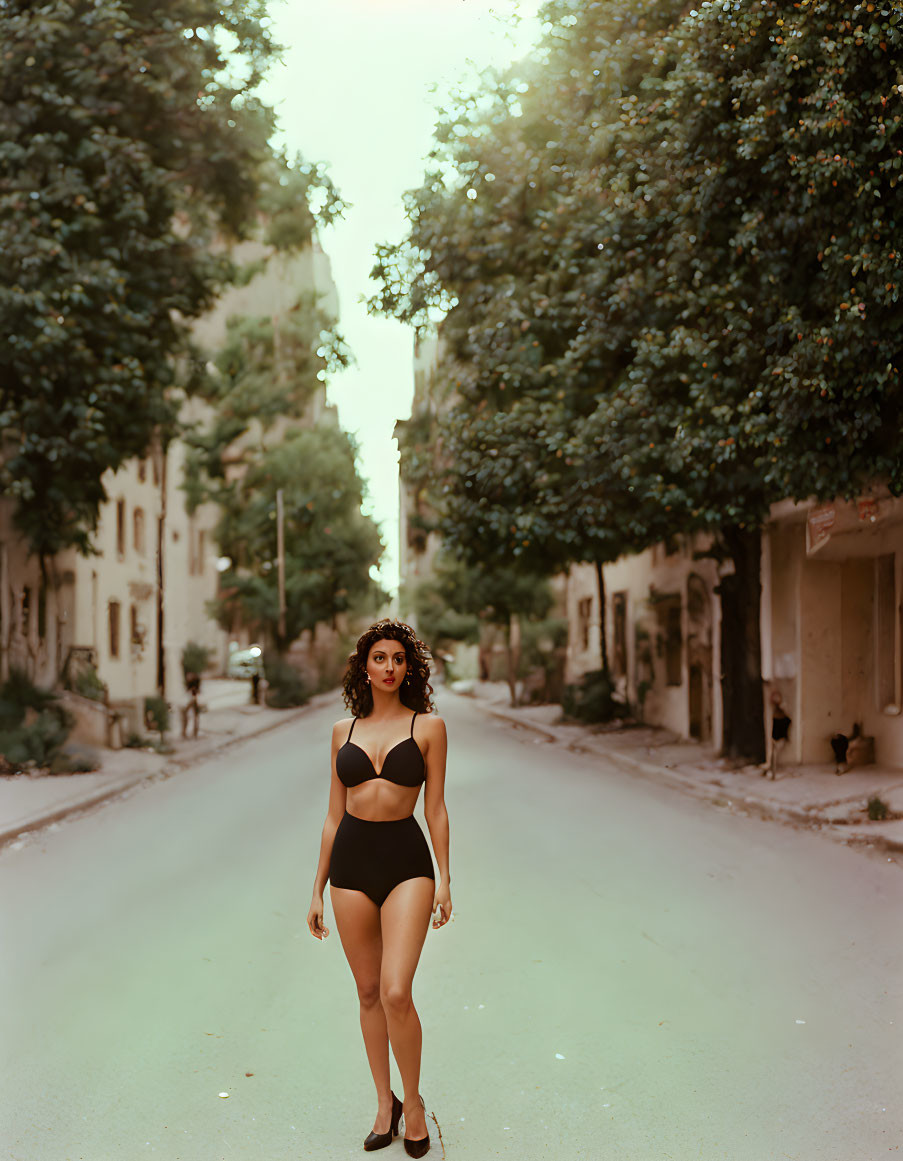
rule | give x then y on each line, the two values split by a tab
355	91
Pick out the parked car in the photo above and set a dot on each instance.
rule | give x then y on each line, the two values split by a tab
245	662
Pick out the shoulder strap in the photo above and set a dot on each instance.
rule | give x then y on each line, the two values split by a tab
351	731
412	723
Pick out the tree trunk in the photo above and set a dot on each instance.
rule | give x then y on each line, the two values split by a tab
741	648
512	640
603	637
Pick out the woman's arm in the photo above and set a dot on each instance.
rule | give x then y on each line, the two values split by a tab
334	813
436	814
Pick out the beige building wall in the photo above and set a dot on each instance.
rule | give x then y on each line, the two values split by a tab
833	573
115	590
190	569
662	626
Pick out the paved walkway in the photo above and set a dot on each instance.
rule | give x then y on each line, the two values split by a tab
32	800
811	796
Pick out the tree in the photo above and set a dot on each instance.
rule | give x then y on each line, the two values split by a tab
330	547
495	595
670	274
131	140
775	340
507	219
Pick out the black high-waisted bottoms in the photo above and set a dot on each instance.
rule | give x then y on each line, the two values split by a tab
374	857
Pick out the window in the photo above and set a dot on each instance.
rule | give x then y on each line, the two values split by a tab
113	610
120	528
885	631
619	614
138	530
142	471
202	548
42	612
136	634
670	636
584	613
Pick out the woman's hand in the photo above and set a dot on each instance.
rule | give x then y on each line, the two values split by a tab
442	906
315	918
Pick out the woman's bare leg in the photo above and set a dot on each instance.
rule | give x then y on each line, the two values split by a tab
358	923
405	917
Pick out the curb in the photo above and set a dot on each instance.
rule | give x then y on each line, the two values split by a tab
707	791
129	782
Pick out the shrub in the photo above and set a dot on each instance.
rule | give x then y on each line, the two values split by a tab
156	715
87	683
18	694
592	699
39	741
33	725
877	808
285	686
75	760
195	658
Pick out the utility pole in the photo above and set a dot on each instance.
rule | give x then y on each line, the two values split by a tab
280	563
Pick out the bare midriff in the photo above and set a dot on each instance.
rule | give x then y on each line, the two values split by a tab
378	800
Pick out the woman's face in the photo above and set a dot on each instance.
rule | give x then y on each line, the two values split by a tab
386	664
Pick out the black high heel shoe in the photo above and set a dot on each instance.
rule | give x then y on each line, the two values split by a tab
419	1147
380	1140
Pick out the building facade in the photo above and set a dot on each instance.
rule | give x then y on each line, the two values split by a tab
831	622
831	628
662	625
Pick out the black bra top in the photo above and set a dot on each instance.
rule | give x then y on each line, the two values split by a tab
403	764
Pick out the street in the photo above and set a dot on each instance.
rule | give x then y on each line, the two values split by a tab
631	974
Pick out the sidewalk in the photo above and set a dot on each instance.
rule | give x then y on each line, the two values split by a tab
29	801
811	796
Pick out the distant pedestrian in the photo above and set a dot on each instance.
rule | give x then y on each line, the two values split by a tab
840	744
377	861
193	706
780	733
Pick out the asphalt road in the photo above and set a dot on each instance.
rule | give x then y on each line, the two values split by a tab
631	974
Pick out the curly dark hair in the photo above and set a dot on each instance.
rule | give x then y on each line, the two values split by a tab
416	692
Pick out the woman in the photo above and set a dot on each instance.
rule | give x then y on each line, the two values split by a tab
377	861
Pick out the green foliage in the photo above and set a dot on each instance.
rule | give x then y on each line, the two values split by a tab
18	694
132	144
493	594
877	808
195	658
33	725
437	621
156	714
592	698
287	194
87	683
668	258
129	136
285	685
75	760
330	546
